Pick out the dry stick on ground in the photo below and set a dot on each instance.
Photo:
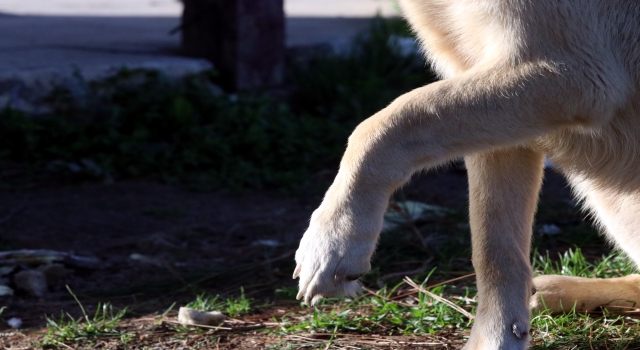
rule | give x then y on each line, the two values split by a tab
400	296
439	298
390	300
366	339
452	280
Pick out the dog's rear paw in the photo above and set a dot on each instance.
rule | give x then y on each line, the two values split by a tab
329	262
567	293
508	336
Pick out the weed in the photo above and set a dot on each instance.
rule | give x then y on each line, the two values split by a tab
233	307
573	263
395	311
103	323
164	314
579	331
382	312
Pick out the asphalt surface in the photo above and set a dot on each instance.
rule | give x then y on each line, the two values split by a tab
40	34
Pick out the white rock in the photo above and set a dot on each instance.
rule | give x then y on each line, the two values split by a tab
14	323
5	291
549	230
267	243
187	316
146	259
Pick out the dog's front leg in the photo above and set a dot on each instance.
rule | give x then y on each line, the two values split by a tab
503	191
500	107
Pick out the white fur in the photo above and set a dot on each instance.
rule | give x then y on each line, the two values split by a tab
521	79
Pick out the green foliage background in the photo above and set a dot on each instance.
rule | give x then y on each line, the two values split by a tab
142	124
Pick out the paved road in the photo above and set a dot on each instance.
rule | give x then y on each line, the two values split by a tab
44	41
55	33
172	8
52	41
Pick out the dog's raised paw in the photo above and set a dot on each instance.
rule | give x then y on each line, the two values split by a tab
329	263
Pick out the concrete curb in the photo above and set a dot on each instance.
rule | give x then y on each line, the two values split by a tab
25	90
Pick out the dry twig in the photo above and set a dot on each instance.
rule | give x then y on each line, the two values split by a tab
439	298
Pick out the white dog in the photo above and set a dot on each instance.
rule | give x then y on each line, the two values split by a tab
521	79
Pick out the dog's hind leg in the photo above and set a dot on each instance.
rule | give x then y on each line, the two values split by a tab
503	192
616	208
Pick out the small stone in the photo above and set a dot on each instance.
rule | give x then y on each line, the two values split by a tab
5	270
33	282
272	243
549	230
146	259
187	316
14	323
5	291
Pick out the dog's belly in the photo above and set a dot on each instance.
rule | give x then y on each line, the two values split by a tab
609	155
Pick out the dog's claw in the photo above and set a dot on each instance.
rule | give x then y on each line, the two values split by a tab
352	277
520	330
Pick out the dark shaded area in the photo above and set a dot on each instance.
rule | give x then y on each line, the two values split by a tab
110	174
217	242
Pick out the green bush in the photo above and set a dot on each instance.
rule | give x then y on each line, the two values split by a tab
349	88
139	123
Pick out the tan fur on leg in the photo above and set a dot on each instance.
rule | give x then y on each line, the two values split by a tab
565	293
503	191
522	77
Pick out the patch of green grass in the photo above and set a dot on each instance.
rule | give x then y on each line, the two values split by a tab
67	329
233	307
579	331
382	312
573	263
417	313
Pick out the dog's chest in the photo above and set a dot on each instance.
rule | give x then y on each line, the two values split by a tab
603	153
462	34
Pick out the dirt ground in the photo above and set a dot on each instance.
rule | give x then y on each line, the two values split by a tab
157	244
